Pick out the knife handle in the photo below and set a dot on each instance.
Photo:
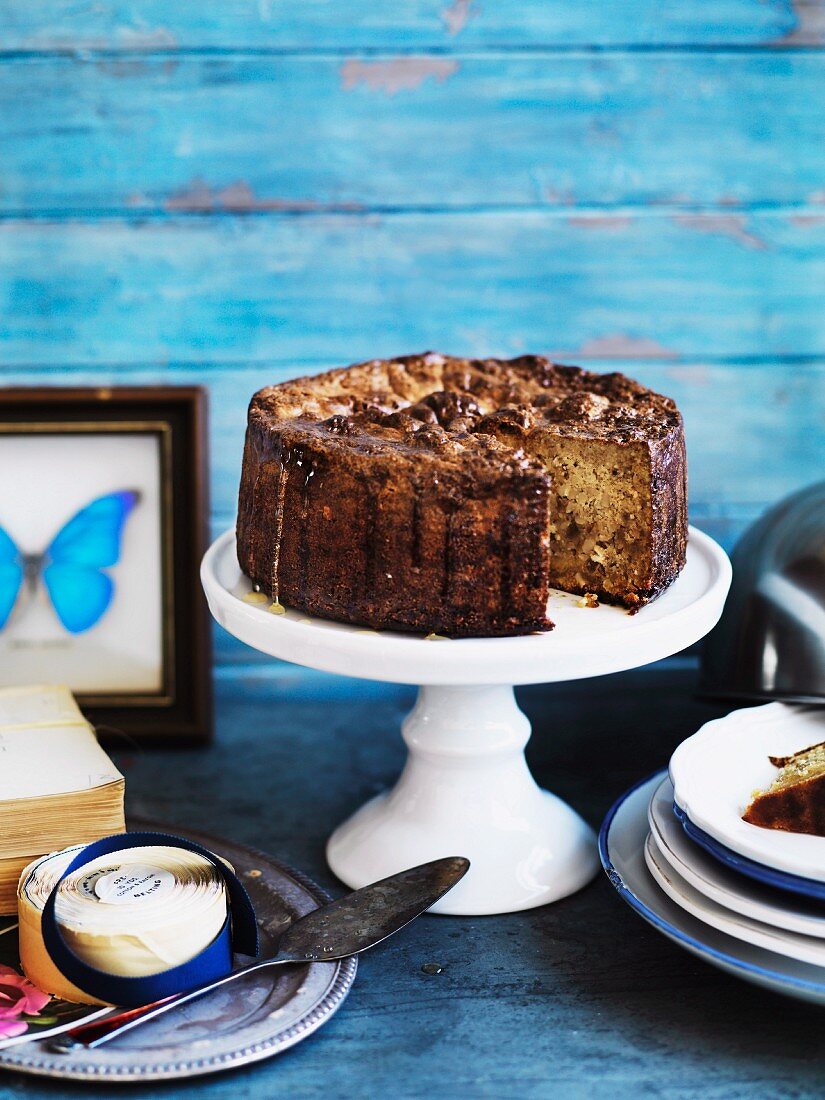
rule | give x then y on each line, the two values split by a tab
98	1032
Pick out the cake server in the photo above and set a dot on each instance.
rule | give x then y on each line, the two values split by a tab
344	927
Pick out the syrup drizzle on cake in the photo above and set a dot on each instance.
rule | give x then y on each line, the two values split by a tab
449	495
278	529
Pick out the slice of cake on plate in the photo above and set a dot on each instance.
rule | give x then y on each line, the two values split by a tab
795	801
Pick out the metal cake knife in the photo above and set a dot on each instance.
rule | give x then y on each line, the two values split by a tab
347	926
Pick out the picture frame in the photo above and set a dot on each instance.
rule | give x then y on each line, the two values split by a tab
103	523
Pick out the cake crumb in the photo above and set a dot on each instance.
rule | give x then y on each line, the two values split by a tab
589	599
436	638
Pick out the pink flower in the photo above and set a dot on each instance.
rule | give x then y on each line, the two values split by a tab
11	1028
18	997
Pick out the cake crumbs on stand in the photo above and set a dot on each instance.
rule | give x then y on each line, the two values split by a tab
589	599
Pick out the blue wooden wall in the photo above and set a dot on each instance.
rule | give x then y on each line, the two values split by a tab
233	193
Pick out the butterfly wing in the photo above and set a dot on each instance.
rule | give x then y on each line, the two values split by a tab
80	594
11	576
92	537
90	542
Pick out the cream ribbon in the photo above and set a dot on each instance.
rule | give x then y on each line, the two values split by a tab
132	913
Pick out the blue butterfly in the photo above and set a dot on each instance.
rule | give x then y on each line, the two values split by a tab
71	567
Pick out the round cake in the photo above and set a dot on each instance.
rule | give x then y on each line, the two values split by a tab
449	496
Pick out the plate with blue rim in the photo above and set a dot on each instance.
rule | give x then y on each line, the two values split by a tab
715	774
769	876
721	884
621	847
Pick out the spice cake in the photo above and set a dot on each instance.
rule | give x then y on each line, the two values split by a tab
437	494
795	801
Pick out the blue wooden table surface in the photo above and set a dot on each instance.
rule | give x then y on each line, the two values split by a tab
576	999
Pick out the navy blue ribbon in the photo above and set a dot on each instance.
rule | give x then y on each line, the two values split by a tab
239	933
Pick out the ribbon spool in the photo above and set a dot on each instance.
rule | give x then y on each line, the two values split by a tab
131	919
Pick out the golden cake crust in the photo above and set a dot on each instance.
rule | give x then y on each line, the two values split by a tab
444	495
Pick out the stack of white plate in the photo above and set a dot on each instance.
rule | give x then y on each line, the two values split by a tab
747	899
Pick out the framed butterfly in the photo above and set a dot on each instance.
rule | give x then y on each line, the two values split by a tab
71	568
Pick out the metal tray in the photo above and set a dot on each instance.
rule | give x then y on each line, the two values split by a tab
251	1019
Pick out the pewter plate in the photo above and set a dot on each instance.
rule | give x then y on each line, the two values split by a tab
251	1019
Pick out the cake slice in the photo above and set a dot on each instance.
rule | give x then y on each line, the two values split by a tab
795	801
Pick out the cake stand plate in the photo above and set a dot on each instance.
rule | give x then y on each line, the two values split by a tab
466	789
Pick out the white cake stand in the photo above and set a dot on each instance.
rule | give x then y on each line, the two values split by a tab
466	789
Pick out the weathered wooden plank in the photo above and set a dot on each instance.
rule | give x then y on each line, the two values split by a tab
349	287
250	134
407	24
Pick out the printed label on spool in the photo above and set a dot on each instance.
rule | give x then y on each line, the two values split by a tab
86	884
133	883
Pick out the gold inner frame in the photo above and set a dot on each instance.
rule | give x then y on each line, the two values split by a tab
166	695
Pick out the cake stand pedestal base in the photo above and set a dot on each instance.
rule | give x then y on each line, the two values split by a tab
466	789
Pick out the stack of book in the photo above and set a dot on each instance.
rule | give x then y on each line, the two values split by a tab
57	785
